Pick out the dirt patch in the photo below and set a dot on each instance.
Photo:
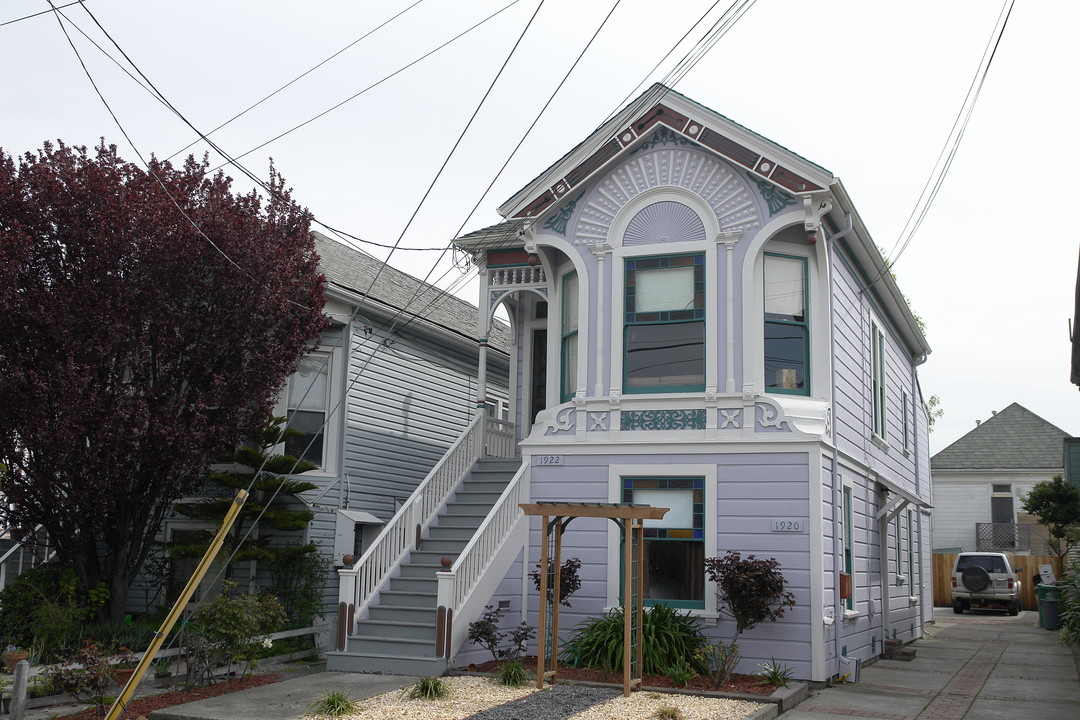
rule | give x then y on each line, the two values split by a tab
750	684
148	704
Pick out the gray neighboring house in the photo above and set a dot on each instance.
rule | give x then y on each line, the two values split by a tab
391	386
980	482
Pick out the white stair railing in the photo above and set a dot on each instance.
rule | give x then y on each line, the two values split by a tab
468	584
360	584
20	548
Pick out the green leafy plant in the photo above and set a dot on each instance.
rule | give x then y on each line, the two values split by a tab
162	667
87	677
720	660
1056	505
749	590
512	673
668	712
775	674
569	580
334	704
668	637
680	673
1069	606
485	632
428	688
234	628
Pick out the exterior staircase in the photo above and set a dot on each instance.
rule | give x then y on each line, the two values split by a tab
398	633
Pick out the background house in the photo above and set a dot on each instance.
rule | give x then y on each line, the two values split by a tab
980	482
701	322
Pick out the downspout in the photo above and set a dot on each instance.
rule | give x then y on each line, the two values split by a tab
838	492
916	449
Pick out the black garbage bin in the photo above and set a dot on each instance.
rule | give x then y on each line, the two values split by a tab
1050	617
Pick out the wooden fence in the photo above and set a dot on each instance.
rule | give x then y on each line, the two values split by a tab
943	564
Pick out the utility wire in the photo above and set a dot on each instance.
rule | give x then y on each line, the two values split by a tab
298	77
43	12
948	152
375	84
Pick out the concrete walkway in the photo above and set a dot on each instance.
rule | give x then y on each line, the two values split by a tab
981	665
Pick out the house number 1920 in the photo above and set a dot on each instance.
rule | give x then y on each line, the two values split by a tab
787	525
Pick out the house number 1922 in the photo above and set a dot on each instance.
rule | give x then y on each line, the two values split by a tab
549	459
785	525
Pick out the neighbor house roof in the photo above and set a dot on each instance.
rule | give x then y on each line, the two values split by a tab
1013	439
391	290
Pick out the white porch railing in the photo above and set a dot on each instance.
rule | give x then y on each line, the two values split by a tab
19	548
465	588
359	584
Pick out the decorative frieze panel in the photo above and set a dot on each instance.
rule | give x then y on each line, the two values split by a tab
722	189
662	420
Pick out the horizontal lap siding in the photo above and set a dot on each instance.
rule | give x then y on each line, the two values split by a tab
751	490
408	403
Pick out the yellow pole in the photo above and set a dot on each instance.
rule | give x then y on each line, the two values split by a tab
178	607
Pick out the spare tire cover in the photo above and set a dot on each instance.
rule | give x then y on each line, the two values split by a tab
975	578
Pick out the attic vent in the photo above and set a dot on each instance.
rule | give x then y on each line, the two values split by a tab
664	222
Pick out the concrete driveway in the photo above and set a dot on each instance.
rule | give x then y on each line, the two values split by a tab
981	665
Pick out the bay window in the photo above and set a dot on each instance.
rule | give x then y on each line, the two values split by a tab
569	351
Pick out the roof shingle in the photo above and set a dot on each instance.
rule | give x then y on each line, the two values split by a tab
1013	439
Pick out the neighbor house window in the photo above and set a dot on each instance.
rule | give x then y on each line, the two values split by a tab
665	323
308	403
877	365
899	556
674	572
787	336
569	336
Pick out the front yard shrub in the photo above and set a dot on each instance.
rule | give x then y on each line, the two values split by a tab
428	688
485	632
668	639
720	660
235	626
749	590
334	704
1069	606
87	677
569	580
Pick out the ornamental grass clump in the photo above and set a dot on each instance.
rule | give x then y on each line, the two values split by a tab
668	639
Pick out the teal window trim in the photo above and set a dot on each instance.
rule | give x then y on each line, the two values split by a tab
694	534
804	324
877	366
849	561
633	318
566	392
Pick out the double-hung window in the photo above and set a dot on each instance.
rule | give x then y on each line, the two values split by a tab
849	545
877	364
664	307
569	336
308	403
787	331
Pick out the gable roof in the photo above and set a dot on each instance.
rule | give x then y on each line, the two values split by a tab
354	271
657	108
1013	439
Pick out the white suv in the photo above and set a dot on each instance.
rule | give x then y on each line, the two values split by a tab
985	580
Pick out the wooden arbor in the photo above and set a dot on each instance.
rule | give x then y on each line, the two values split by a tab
631	520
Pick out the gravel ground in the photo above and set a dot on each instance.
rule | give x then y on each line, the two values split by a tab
474	698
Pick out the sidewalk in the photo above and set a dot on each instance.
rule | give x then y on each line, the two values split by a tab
981	665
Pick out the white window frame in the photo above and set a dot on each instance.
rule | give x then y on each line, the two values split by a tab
878	383
614	558
332	424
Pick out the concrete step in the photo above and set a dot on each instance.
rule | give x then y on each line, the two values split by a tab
412	647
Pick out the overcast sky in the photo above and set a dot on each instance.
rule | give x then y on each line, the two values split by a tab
868	90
